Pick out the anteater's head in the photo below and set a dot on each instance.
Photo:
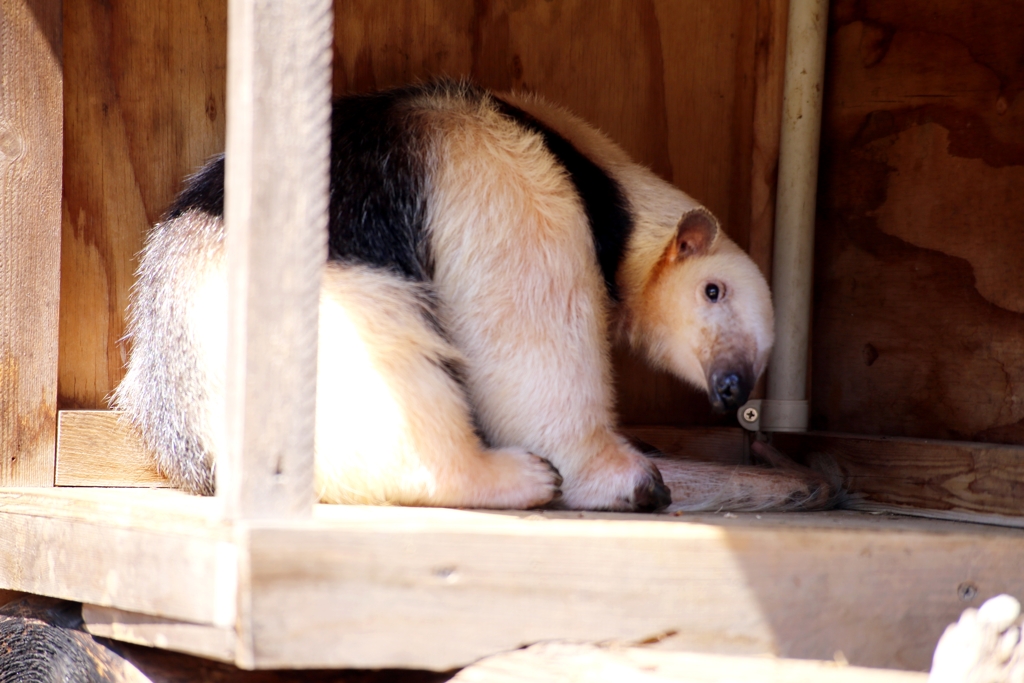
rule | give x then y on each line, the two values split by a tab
705	312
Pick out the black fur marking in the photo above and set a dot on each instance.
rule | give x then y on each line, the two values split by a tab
203	191
378	170
607	209
378	202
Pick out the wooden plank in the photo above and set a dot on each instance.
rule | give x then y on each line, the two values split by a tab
440	588
919	293
144	107
204	640
276	244
31	129
366	586
558	662
941	475
710	444
156	552
94	448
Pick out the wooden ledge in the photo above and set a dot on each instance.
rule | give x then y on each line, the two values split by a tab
362	587
558	662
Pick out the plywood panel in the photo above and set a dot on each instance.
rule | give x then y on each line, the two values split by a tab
689	89
30	153
144	106
919	310
674	83
956	476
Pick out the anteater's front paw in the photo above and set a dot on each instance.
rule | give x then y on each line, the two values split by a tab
617	478
518	480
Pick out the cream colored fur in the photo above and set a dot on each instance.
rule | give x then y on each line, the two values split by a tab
524	300
392	427
526	317
666	317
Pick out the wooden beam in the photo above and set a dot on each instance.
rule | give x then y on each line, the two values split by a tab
157	552
95	448
204	640
31	129
953	476
435	588
278	109
440	588
558	662
724	445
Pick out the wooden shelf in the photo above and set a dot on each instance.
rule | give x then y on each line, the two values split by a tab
436	588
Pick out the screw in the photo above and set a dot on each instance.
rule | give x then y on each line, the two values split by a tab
967	591
750	415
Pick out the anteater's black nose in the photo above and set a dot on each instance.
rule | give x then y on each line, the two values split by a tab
728	391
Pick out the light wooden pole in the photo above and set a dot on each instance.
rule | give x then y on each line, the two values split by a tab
278	120
31	151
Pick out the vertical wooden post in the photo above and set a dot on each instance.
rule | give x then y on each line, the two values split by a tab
31	152
278	119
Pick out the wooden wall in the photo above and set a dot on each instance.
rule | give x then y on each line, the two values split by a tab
30	151
919	306
144	106
679	84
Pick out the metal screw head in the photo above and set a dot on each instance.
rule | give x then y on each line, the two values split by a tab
750	415
967	591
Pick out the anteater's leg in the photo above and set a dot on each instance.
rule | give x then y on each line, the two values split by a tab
393	421
525	302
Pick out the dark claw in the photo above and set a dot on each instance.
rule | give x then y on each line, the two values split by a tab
651	494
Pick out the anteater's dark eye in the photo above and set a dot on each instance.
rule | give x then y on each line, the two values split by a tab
712	292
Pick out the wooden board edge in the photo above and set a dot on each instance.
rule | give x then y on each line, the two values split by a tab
184	571
31	163
951	476
441	597
96	448
557	662
202	640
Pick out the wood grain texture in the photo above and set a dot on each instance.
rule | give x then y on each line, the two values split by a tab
558	662
157	552
30	168
144	107
95	448
941	475
769	76
439	588
275	221
205	640
692	90
723	445
919	311
434	588
675	83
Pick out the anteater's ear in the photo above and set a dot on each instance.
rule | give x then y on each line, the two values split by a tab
695	233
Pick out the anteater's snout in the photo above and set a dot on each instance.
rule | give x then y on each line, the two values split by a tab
729	390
